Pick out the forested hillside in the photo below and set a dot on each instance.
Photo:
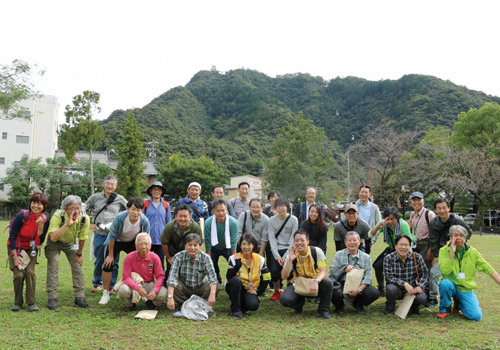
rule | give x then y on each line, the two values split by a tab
233	117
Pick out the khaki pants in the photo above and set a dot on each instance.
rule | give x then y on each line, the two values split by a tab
27	274
53	253
125	293
183	293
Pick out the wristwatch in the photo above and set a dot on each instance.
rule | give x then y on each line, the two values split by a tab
78	254
170	296
316	280
360	291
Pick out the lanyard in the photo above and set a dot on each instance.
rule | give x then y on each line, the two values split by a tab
460	259
249	270
414	228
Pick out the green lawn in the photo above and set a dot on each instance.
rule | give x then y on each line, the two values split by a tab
272	326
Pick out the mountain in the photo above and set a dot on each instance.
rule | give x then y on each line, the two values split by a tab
233	117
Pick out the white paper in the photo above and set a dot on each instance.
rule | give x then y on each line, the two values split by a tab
146	314
405	306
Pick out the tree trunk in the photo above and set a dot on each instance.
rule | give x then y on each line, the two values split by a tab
91	173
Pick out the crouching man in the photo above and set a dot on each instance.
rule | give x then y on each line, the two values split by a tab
147	268
307	262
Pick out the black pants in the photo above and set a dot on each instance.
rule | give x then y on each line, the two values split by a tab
370	294
378	266
127	247
291	299
241	300
156	248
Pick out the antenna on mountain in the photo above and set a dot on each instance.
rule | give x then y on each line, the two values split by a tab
151	150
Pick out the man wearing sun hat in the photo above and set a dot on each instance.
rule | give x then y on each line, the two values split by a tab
158	213
199	208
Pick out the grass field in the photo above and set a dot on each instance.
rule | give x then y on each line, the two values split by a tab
272	326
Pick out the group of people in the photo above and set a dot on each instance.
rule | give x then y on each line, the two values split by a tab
426	257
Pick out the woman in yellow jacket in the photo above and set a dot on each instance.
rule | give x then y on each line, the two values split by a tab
247	277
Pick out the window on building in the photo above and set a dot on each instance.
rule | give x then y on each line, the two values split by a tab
2	160
22	139
4	135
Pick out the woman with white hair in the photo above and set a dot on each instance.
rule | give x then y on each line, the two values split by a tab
458	262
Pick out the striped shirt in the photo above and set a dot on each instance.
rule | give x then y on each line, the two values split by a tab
398	272
360	261
193	272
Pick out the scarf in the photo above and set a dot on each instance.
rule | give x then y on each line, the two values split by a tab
213	233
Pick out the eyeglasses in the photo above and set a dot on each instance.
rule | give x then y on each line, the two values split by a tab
140	244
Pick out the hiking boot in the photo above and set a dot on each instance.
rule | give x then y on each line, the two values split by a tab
276	295
416	310
33	308
237	315
339	312
298	310
80	301
431	303
129	308
325	314
52	304
360	309
16	308
388	311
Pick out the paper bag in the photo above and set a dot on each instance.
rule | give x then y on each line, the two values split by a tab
405	306
353	280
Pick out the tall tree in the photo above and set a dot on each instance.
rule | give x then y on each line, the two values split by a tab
131	154
81	130
16	86
301	156
178	172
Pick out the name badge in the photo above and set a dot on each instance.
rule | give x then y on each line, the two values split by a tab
33	253
250	285
461	275
32	244
75	246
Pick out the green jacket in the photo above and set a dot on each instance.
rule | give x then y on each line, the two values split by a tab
471	261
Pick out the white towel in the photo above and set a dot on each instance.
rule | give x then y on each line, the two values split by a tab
213	233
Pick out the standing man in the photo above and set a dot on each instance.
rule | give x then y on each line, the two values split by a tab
157	211
240	203
351	222
254	222
199	209
104	206
419	223
125	227
68	233
172	237
221	234
301	211
218	192
369	212
438	237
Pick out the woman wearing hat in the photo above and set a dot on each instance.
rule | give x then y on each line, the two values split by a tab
158	213
458	262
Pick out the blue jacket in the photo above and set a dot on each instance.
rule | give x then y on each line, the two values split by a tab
200	206
300	211
158	218
117	226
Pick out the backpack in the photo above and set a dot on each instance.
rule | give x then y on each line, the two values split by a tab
26	214
146	205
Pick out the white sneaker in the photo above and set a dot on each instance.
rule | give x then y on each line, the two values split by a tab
105	297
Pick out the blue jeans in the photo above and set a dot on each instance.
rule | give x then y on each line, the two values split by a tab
215	254
99	260
469	304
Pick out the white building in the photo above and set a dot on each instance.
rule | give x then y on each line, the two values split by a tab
255	182
36	137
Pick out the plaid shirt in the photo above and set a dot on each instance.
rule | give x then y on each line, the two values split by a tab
361	261
398	272
194	273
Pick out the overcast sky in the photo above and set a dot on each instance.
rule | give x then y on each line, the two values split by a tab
131	51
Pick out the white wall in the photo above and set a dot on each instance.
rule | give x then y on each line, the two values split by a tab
40	132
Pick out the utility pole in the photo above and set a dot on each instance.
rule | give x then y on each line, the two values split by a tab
151	150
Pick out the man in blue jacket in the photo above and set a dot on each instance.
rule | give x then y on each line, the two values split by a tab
301	211
125	227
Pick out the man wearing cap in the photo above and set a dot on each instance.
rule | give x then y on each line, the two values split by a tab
241	203
301	210
351	222
419	224
218	192
199	208
158	213
369	212
103	207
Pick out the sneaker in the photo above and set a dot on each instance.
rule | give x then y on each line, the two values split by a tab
237	315
105	297
95	289
431	303
416	310
150	305
129	308
276	295
444	314
388	311
325	314
16	308
52	304
81	302
33	308
298	310
339	312
360	309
